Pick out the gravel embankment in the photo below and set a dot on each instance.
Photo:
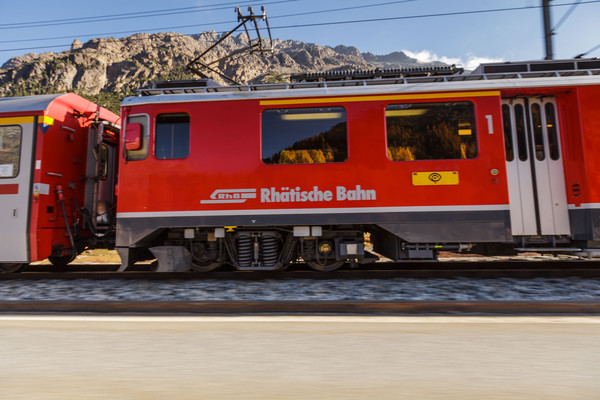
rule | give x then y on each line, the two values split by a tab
398	289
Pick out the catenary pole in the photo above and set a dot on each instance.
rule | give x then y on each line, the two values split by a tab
548	32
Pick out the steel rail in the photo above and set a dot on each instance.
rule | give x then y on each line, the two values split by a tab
425	270
513	308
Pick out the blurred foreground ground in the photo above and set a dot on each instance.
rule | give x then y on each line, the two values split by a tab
147	358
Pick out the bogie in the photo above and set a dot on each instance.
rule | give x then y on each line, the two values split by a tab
256	250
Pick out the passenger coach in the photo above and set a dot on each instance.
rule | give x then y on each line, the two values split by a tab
505	158
57	158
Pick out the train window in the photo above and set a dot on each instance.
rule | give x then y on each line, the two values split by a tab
508	139
431	131
142	152
538	136
552	132
10	150
304	135
521	132
172	139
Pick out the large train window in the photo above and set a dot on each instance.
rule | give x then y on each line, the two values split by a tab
10	150
313	135
139	151
431	131
172	137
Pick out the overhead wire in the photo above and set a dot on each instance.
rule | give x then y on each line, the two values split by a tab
210	23
331	23
220	6
139	14
387	3
445	14
587	52
566	15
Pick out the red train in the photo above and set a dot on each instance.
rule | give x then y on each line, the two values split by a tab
57	164
259	176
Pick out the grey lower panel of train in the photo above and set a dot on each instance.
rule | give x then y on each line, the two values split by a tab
585	223
415	227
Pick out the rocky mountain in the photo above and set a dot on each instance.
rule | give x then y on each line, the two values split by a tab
394	59
108	69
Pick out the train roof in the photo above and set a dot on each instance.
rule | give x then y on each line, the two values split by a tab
27	103
529	74
51	104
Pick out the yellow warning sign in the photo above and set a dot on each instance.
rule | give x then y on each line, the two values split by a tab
429	178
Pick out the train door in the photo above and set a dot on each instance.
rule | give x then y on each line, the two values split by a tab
536	179
16	143
102	162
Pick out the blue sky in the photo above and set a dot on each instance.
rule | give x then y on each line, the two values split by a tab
460	31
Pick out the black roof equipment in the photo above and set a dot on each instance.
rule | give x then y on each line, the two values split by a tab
258	44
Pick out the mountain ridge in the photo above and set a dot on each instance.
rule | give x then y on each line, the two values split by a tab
108	67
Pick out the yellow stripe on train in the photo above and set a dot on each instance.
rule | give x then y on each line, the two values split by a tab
16	120
26	120
394	97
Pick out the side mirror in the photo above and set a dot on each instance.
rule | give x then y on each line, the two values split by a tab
133	136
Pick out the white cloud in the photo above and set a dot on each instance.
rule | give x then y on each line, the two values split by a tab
470	63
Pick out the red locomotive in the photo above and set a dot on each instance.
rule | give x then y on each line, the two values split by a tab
259	176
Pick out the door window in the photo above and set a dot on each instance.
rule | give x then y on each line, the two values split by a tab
521	132
538	132
552	132
508	140
10	150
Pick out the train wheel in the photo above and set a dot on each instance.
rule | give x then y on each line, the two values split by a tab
61	261
327	267
8	268
205	256
205	266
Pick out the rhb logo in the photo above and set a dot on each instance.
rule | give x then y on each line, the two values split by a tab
229	196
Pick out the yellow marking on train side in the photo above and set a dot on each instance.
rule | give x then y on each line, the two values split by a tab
435	178
46	120
395	97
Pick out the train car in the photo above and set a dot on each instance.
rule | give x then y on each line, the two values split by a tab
57	174
503	159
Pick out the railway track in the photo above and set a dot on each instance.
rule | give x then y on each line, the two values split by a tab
428	288
520	308
424	270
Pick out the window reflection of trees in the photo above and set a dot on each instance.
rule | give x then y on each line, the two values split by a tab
10	145
328	145
431	131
